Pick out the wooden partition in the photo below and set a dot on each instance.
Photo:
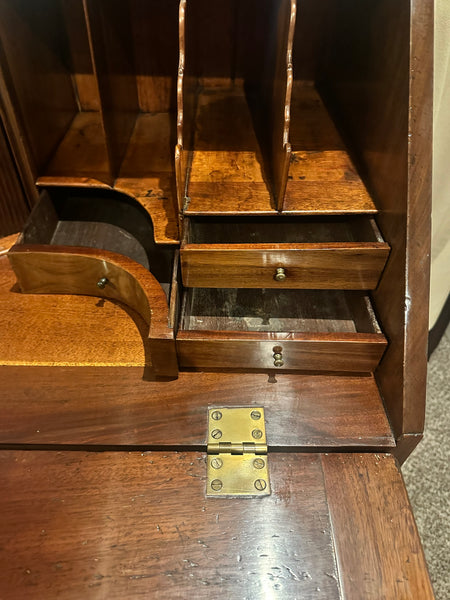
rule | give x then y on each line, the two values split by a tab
100	110
233	105
383	104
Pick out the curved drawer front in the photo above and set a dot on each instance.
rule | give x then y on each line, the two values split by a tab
70	270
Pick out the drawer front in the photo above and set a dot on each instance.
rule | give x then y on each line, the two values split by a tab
312	266
87	271
355	353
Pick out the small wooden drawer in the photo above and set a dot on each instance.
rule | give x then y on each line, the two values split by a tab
274	252
278	329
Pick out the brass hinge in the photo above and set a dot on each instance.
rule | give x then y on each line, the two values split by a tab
237	452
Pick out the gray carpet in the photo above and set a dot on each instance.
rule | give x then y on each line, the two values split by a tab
427	472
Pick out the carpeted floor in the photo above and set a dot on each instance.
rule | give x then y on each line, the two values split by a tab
427	472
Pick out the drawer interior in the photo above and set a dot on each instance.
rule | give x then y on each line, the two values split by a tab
102	219
308	311
279	230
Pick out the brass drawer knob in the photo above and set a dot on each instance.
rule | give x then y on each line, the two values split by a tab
101	283
278	358
280	274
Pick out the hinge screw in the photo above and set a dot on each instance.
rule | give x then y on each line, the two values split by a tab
216	463
255	415
258	463
257	434
101	283
216	485
216	434
216	415
260	485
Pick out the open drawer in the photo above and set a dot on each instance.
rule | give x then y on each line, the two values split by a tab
277	252
326	330
98	243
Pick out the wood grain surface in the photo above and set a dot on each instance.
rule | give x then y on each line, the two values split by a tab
378	549
383	103
146	174
140	525
71	270
33	67
348	266
112	406
301	351
321	172
226	164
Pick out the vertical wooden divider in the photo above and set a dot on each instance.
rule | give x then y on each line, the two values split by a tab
281	98
109	32
185	110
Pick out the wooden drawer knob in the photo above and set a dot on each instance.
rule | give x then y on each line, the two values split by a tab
280	274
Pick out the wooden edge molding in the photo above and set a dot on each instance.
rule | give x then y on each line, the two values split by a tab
42	269
286	152
405	444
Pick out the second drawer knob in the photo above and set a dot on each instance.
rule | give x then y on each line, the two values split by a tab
278	359
280	274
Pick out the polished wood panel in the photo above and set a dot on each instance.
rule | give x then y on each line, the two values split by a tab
146	174
91	166
140	525
378	549
65	330
348	266
309	539
226	162
154	35
65	270
255	350
383	103
321	172
80	56
109	29
112	406
281	97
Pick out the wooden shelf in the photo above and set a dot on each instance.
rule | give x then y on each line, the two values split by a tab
146	173
81	158
226	172
227	175
322	177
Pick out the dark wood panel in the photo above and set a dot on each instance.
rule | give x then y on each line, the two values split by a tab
256	350
287	312
383	101
116	406
378	549
42	98
14	208
109	30
140	526
155	41
141	522
80	57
